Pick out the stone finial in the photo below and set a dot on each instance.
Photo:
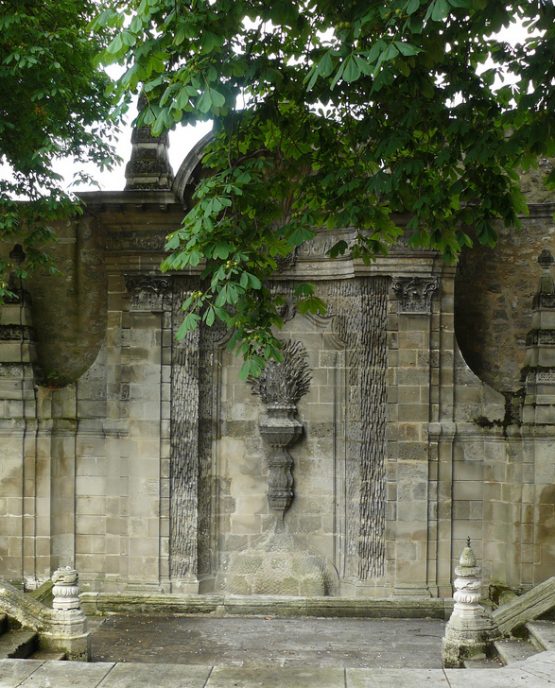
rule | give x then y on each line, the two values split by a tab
469	630
66	589
545	259
149	167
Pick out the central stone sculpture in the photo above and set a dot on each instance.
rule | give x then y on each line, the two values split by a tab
280	387
278	563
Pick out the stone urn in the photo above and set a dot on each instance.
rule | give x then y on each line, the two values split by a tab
280	428
280	387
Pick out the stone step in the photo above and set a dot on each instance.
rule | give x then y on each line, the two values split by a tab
514	650
50	655
542	634
17	643
483	663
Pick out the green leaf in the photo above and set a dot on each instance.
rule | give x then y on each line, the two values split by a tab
254	282
390	53
190	323
218	100
351	71
115	46
222	250
407	49
326	64
209	317
441	10
412	6
204	103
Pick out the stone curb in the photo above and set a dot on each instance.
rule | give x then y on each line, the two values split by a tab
535	672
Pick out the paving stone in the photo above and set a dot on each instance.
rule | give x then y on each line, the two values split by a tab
543	632
276	677
14	671
67	675
398	678
542	665
382	643
514	650
136	675
504	678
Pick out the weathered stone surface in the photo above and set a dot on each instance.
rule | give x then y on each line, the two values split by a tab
67	675
132	675
526	607
13	671
222	677
494	291
386	678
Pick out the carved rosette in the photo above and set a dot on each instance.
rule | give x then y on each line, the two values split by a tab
280	387
65	589
149	292
415	294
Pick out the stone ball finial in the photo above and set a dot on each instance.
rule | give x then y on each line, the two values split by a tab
545	259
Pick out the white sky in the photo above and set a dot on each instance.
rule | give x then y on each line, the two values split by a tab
181	142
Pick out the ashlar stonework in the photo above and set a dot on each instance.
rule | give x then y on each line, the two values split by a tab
148	465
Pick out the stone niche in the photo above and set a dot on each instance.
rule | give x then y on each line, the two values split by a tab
336	509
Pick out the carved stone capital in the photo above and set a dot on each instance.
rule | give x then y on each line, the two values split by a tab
149	292
415	294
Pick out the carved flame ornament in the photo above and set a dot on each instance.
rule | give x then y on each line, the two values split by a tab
280	387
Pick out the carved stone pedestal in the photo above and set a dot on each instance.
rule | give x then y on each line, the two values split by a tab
280	429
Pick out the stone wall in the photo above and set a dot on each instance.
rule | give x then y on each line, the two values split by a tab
149	470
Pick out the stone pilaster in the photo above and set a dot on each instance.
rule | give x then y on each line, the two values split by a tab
18	456
539	370
413	377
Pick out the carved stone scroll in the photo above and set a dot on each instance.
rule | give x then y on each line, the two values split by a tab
415	293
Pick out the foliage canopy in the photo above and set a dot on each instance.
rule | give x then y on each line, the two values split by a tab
54	103
326	114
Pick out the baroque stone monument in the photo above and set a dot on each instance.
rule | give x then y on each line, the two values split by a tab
357	468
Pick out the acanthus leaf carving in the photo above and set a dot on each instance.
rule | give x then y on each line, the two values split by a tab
415	294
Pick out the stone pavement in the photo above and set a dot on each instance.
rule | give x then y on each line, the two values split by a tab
255	641
536	672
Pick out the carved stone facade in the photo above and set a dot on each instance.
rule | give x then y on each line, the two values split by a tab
359	468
